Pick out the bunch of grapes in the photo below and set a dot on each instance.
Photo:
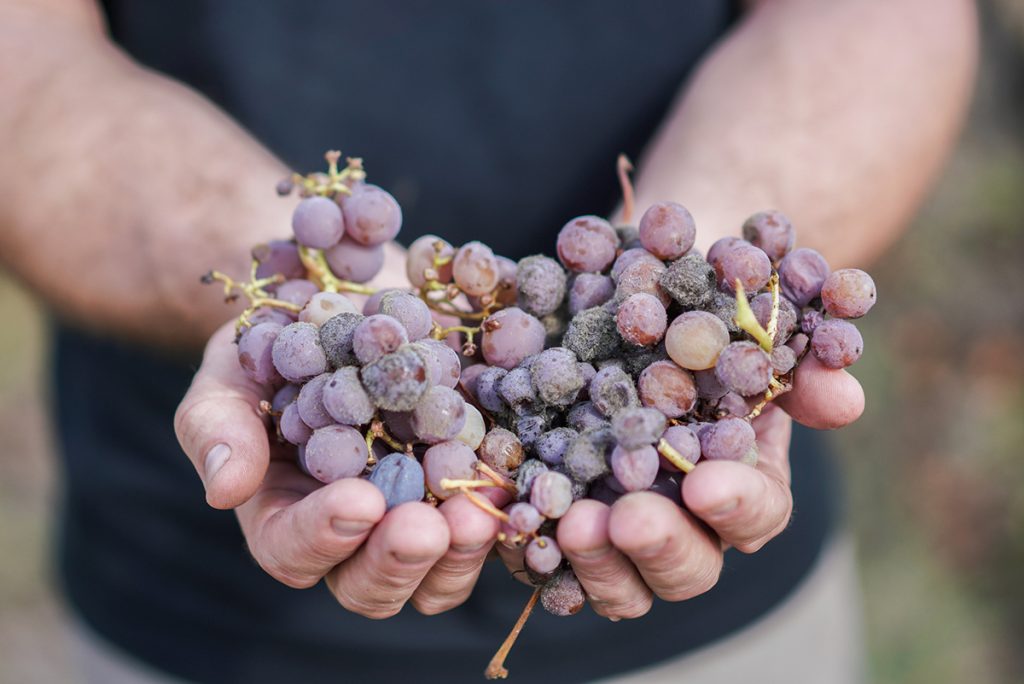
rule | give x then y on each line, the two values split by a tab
616	368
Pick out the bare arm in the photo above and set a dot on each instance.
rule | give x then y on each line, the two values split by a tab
118	186
837	112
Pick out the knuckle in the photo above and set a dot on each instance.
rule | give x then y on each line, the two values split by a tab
430	604
700	581
630	609
355	602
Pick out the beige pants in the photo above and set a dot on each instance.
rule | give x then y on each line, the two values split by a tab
814	637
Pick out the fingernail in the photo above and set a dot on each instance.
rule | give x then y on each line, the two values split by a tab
350	528
724	509
215	460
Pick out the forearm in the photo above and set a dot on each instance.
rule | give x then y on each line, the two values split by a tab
119	187
839	113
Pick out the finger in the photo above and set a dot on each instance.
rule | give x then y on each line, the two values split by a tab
298	530
378	580
219	428
451	580
613	585
676	556
746	507
823	398
514	559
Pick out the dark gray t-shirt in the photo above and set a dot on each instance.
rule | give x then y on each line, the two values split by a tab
488	120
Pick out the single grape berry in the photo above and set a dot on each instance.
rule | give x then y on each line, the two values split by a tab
695	339
278	257
472	433
524	517
636	427
837	343
255	353
325	305
745	263
292	428
297	292
317	223
744	368
475	269
419	260
556	375
543	555
509	336
667	230
501	450
372	215
586	458
690	281
399	478
396	381
516	390
589	290
410	311
297	352
612	390
848	293
587	244
772	232
665	386
642	276
488	386
344	398
439	416
452	460
552	445
540	285
563	595
628	258
641	320
353	261
335	452
336	338
376	336
802	273
729	439
684	441
592	335
636	468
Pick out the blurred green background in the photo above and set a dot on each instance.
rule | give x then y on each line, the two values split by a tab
934	467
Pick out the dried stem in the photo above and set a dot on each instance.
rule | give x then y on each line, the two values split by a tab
498	479
773	319
321	274
496	669
624	167
484	504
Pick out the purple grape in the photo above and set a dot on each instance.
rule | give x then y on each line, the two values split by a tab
526	474
685	441
543	555
335	452
292	426
509	336
284	396
665	386
695	339
589	290
540	285
745	263
587	244
669	485
487	389
325	305
355	262
507	290
470	374
667	230
720	247
255	353
439	416
848	293
452	460
690	281
810	319
501	450
317	222
641	319
586	459
585	416
376	336
636	427
612	390
642	276
551	494
475	269
529	427
552	445
798	343
278	257
396	381
783	359
772	232
708	385
420	257
761	306
372	216
556	375
744	368
837	343
311	405
730	439
410	311
732	404
629	257
516	390
345	400
399	478
270	314
372	304
635	469
588	372
297	353
524	518
443	367
296	291
802	272
336	338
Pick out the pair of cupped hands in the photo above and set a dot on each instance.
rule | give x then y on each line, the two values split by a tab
375	561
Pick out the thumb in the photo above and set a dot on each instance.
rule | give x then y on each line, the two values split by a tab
823	398
219	427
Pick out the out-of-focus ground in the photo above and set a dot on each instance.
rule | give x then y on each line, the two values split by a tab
936	466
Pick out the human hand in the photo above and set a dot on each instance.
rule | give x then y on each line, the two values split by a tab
300	530
645	545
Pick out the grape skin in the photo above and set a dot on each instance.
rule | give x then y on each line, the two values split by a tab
472	433
612	390
453	460
410	311
396	381
551	494
585	416
667	230
475	269
685	441
848	293
556	375
420	257
761	305
772	232
297	292
527	473
630	257
255	353
487	389
509	336
372	216
278	257
552	445
516	390
690	281
589	290
642	276
311	405
641	319
439	416
524	517
802	272
292	427
636	427
720	247
730	439
744	368
695	339
376	336
336	338
837	343
317	222
540	285
399	478
745	263
325	305
297	353
335	452
344	398
355	262
587	244
592	335
501	450
635	469
665	386
543	555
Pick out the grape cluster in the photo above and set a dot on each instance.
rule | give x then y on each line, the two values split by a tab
616	368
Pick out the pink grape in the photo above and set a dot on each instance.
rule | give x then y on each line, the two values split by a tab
420	257
278	257
667	230
344	398
543	555
665	386
641	319
326	305
563	595
296	291
802	273
837	343
685	441
635	469
630	257
744	368
524	517
509	336
540	285
372	216
848	293
587	244
729	439
335	452
720	247
376	336
297	353
772	232
475	269
292	427
255	352
453	460
355	262
317	222
642	276
439	416
311	404
410	311
695	339
589	290
551	494
745	263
